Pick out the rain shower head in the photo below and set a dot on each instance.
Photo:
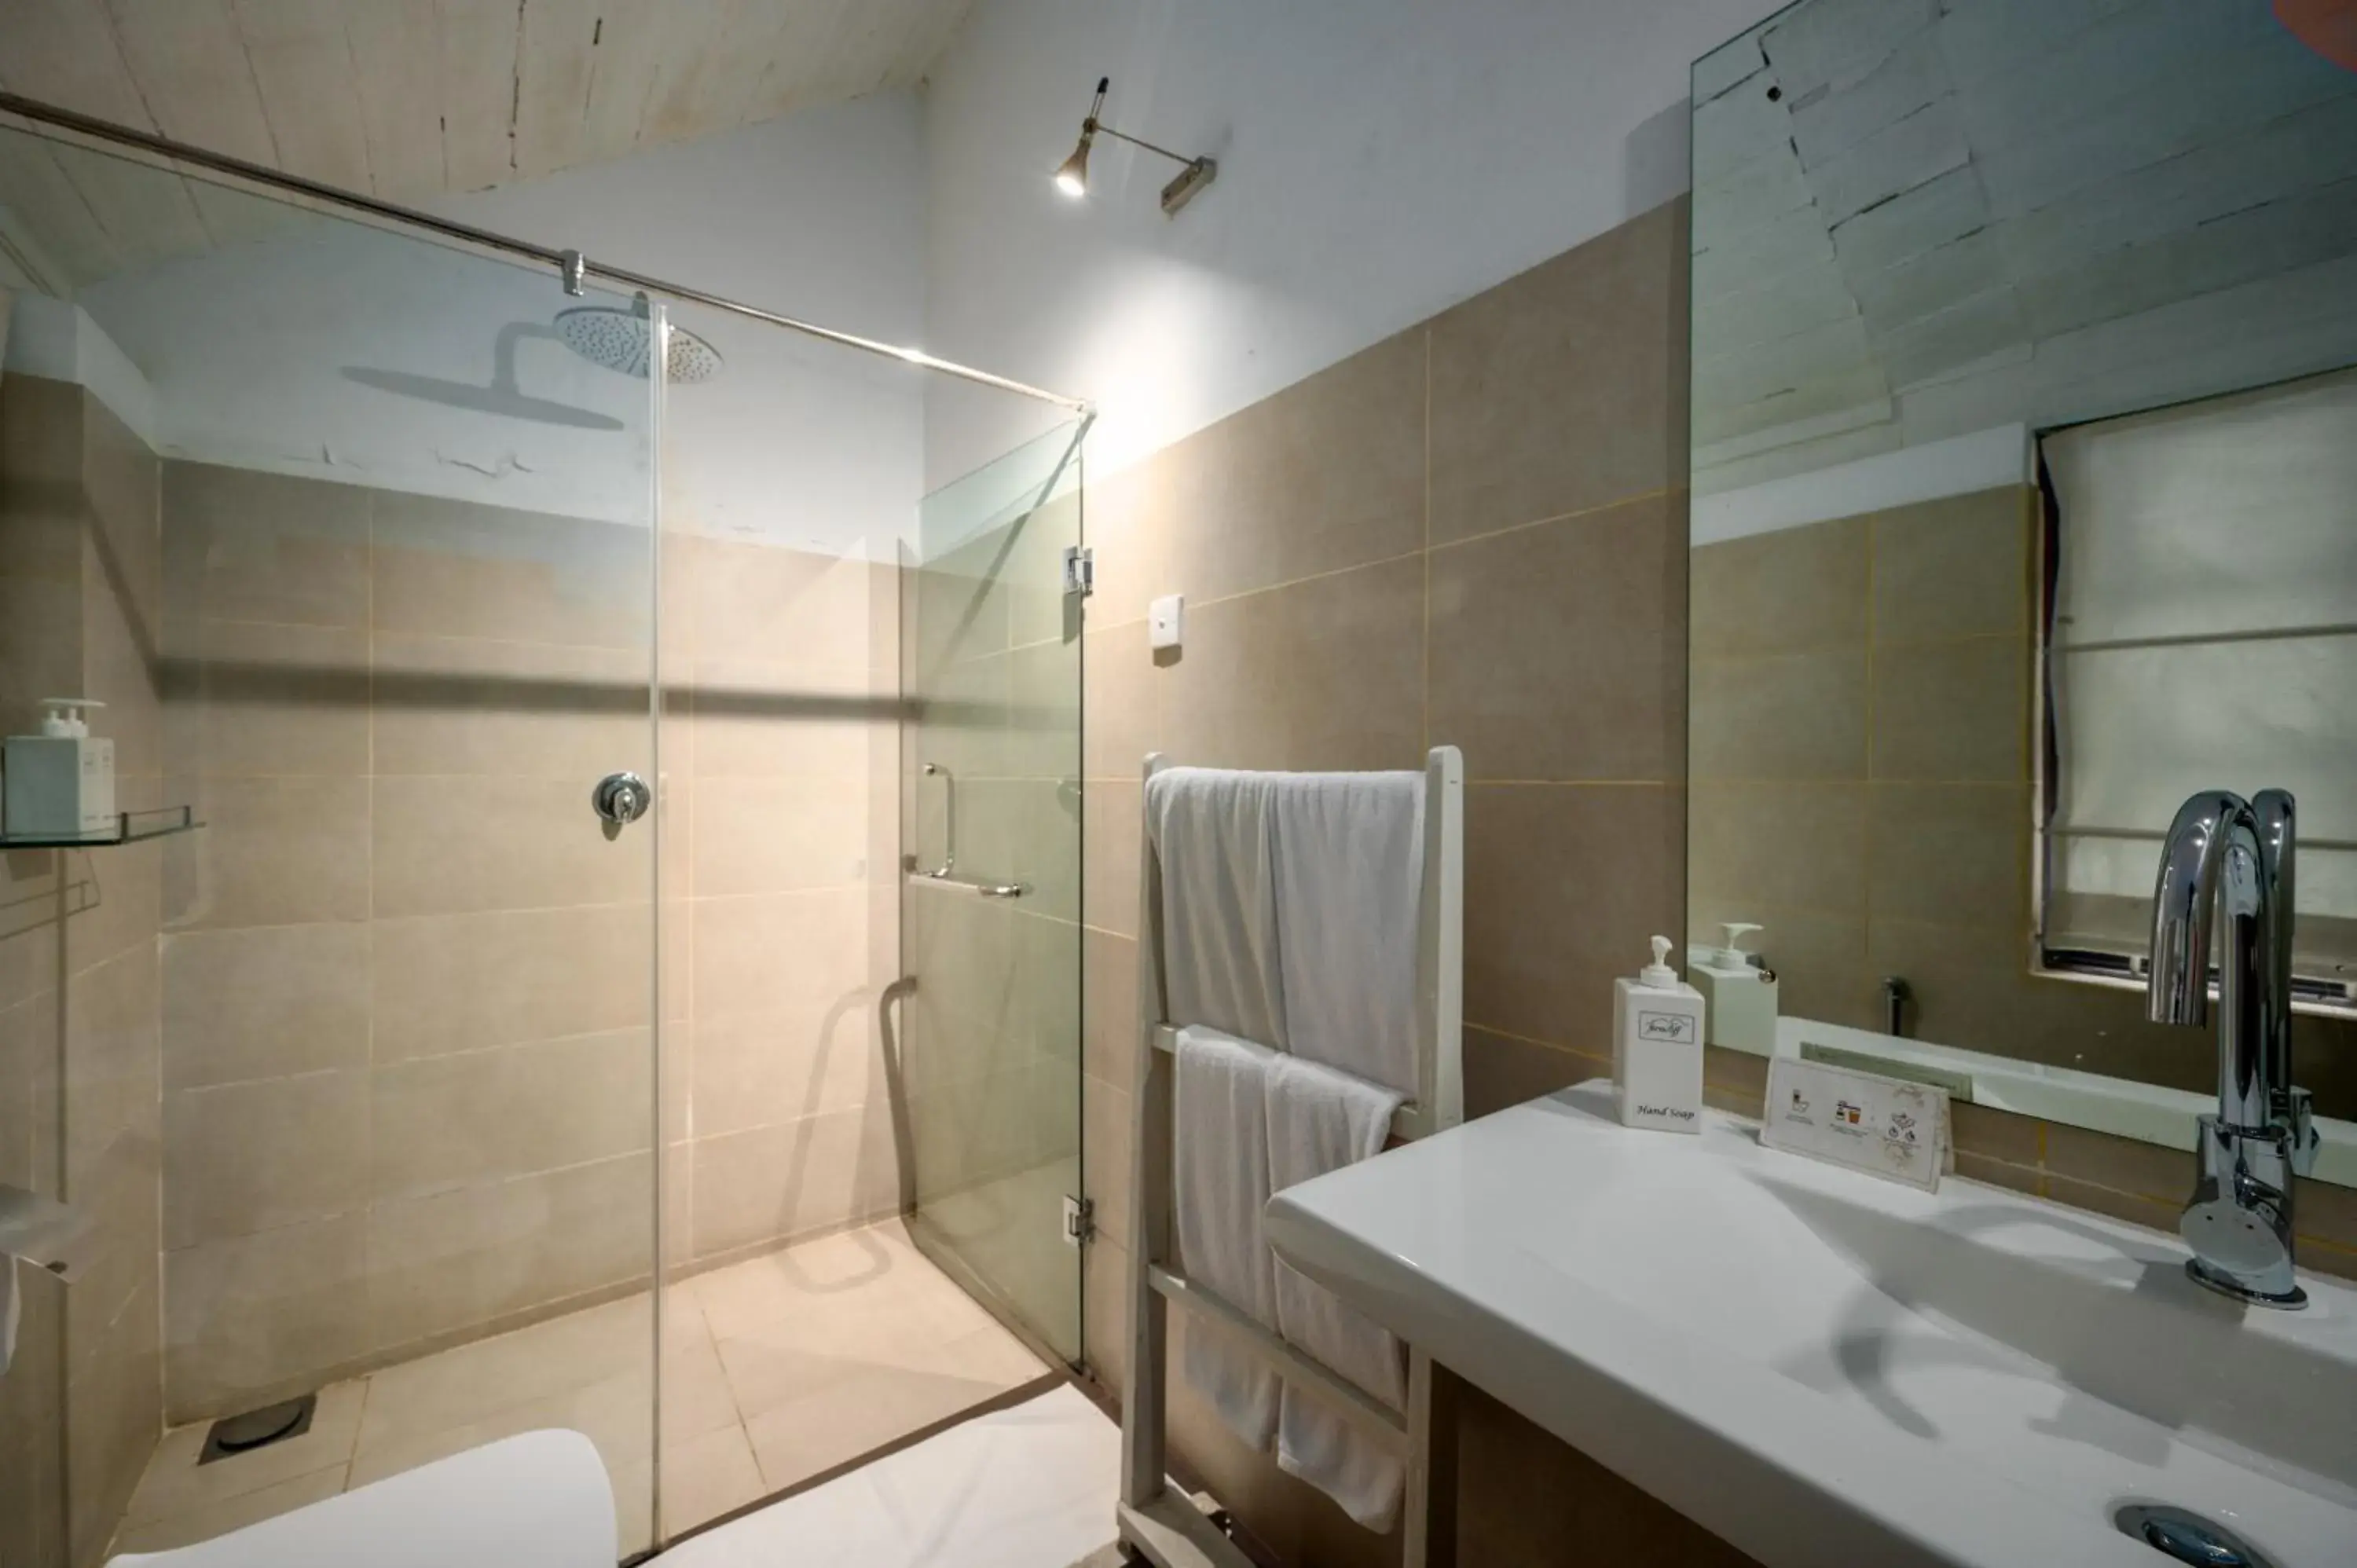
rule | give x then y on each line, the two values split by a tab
618	339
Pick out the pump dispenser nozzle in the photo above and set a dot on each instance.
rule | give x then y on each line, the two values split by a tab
1659	972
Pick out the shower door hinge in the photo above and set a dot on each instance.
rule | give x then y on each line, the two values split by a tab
1080	570
1079	1221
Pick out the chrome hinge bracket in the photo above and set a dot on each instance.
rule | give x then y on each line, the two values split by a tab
1080	570
1079	1221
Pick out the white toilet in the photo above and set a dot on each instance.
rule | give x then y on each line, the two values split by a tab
540	1500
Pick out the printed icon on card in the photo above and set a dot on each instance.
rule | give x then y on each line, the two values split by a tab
1847	1113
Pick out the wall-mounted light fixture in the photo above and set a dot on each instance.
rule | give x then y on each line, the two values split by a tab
1073	179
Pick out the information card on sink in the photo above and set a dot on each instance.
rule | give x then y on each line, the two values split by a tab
1883	1126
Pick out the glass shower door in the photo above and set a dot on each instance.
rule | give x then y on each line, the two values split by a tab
989	1047
357	1079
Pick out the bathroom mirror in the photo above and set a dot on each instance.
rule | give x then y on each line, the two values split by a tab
2024	503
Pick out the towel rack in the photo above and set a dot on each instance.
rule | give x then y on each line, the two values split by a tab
1155	1519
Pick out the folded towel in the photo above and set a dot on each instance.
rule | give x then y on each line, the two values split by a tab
1220	1176
1321	1119
1350	878
1212	833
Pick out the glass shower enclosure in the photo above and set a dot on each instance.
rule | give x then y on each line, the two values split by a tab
541	1026
990	918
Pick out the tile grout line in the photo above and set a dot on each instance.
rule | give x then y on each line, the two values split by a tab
1638	498
1393	560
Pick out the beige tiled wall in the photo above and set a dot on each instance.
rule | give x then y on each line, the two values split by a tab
79	579
410	1092
1473	533
782	902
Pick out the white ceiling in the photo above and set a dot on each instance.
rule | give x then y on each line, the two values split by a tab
404	99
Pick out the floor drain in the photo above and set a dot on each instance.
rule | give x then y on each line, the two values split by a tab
2188	1536
258	1428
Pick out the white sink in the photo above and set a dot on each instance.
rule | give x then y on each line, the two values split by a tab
1821	1366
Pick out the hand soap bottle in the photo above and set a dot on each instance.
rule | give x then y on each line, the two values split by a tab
1657	1033
61	782
1739	993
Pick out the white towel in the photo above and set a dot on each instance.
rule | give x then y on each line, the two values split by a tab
1321	1119
1220	1125
1214	835
1349	876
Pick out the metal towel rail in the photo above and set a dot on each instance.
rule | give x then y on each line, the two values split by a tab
1154	1519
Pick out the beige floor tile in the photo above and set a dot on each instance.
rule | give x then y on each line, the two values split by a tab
615	1415
634	1510
846	1419
992	1356
176	1484
835	1348
764	1290
696	1396
902	1323
766	1370
219	1517
458	1387
707	1477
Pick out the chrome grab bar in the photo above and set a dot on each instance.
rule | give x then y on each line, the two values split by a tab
949	818
940	875
961	884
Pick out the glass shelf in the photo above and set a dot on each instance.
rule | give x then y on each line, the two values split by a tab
129	828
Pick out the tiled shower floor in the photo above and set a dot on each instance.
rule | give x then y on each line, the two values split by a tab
775	1369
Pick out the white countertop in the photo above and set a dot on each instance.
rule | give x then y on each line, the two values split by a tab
1818	1365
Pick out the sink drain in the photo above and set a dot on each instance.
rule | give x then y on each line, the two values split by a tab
2188	1536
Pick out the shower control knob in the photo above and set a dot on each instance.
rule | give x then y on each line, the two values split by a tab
622	797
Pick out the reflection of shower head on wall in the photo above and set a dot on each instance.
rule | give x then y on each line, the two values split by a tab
616	339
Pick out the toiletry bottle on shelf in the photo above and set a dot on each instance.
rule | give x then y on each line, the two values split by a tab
1657	1033
61	782
1738	992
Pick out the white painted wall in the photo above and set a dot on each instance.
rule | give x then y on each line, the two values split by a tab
1379	160
822	216
58	341
819	216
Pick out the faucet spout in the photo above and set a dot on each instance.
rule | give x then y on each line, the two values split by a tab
2225	872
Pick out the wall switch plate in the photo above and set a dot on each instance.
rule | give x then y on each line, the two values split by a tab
1165	621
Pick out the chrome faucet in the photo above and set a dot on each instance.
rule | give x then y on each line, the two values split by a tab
2226	854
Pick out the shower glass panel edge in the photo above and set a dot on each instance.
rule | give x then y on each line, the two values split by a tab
659	677
991	905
